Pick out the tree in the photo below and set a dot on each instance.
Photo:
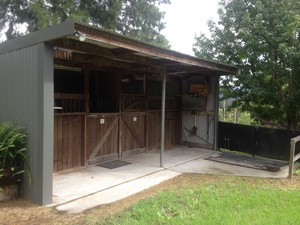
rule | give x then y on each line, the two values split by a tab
262	38
140	19
145	19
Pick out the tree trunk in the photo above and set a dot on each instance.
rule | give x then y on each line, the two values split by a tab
291	122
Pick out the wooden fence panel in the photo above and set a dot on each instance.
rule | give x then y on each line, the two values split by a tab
261	141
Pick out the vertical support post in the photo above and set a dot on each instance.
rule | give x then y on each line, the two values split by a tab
224	110
216	127
146	114
292	155
119	97
235	116
41	191
86	75
163	111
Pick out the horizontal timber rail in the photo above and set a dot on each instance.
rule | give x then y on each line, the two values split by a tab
293	157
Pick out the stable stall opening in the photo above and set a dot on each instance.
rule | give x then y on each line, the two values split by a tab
133	122
133	92
68	119
102	136
68	91
102	115
173	115
103	92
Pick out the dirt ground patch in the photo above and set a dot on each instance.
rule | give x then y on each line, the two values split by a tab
22	212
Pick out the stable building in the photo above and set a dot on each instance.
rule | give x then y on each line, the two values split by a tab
87	95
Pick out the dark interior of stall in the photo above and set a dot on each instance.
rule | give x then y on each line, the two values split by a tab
88	110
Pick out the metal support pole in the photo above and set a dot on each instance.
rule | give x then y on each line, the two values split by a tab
163	111
217	112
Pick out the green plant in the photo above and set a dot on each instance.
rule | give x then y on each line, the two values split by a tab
13	153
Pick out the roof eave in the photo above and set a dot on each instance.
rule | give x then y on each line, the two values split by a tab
102	36
68	28
43	35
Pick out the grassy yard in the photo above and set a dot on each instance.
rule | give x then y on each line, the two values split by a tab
186	199
216	203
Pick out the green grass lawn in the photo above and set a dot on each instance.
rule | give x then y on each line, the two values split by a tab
297	166
216	203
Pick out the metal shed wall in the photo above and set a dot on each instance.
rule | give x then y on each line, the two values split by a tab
26	96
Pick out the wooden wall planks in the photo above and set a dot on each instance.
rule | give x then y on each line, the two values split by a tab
68	141
172	129
95	133
133	130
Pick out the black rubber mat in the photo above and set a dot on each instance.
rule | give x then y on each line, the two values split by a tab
247	161
114	164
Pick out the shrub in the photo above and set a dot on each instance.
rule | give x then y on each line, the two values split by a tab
13	153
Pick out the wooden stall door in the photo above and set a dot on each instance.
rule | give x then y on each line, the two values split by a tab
68	142
133	131
154	130
172	129
102	137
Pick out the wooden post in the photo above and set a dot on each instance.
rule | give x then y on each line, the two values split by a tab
293	158
163	111
292	155
224	111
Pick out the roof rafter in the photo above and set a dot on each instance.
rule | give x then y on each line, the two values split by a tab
98	35
102	52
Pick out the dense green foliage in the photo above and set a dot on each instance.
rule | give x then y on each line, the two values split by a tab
13	154
140	19
234	115
215	203
262	38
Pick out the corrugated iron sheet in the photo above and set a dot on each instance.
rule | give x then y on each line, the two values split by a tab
24	77
203	119
19	95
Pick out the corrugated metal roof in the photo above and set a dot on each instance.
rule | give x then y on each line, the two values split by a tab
43	35
103	45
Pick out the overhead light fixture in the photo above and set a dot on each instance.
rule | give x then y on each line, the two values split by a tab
80	35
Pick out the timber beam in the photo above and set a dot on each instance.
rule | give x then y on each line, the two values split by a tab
101	37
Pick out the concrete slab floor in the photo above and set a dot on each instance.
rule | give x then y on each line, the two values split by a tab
210	167
74	185
75	192
117	192
172	157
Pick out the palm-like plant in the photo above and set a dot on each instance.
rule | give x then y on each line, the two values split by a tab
13	153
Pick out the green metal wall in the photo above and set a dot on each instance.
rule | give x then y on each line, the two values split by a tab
26	96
